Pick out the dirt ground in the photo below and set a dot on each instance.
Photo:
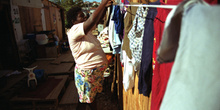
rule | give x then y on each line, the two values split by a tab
105	101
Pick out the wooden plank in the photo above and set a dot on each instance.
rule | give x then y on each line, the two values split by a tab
26	22
120	84
136	94
64	58
144	1
46	59
135	1
71	95
62	68
22	19
32	104
12	80
47	18
53	69
27	3
37	22
31	20
132	100
52	96
149	102
59	24
47	14
50	101
38	107
55	93
52	18
45	2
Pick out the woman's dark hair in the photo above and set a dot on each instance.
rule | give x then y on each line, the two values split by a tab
71	15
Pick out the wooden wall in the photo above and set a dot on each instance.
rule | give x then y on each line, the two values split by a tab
47	14
31	20
59	23
55	20
132	100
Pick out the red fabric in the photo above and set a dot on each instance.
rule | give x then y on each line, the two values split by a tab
212	2
161	72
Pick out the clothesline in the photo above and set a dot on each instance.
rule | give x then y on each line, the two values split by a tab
152	6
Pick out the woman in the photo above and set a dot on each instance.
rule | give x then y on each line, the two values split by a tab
87	52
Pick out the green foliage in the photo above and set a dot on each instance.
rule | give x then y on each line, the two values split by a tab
67	4
96	5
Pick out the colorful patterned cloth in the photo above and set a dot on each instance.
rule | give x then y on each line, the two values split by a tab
104	38
89	82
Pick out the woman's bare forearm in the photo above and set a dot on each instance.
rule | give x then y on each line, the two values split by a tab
96	16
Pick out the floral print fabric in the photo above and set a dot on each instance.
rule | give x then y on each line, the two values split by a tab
89	82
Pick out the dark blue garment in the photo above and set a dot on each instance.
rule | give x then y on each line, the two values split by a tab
145	74
118	20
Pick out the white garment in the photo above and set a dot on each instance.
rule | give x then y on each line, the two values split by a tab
128	75
194	82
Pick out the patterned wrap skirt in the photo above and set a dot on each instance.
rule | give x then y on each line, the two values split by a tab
89	82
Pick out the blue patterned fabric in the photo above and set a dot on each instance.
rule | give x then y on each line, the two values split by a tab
135	36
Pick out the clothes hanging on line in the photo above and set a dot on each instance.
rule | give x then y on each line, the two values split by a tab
161	72
135	36
113	36
117	17
128	23
151	6
145	74
128	73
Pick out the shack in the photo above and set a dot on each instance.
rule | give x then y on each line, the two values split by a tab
21	21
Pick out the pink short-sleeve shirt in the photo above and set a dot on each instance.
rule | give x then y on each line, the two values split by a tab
86	49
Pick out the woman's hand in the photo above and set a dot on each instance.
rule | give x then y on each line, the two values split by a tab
96	15
109	3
